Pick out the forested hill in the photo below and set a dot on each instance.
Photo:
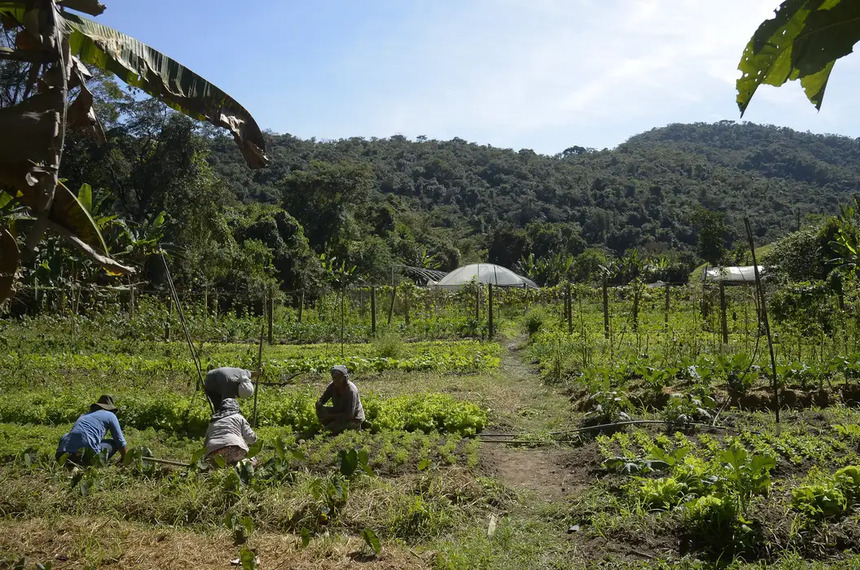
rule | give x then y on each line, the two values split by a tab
640	194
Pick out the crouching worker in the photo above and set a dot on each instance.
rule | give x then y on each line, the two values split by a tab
89	433
229	433
229	382
345	411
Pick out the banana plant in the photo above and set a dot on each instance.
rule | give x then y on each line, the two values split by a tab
58	45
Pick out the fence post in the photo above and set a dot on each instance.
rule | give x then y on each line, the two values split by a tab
407	295
723	323
301	304
490	311
271	314
169	317
666	309
637	294
373	311
569	313
605	308
391	305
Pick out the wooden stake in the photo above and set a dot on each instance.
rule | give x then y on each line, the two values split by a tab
301	305
724	325
605	308
391	305
760	289
271	315
666	308
490	313
260	368
569	313
169	317
373	311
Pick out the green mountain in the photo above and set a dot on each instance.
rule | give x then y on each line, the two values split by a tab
641	194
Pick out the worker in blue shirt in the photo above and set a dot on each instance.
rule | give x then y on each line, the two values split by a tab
89	433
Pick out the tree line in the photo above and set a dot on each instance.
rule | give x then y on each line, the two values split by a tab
329	212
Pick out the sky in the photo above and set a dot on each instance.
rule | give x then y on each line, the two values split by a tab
538	74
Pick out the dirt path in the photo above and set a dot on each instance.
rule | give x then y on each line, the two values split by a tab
550	473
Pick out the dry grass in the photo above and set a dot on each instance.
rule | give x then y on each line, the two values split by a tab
72	542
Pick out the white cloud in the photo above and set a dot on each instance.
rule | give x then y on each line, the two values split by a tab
547	73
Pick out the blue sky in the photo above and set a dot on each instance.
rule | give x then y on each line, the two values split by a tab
538	74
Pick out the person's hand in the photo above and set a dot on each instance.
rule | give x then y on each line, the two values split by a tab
256	373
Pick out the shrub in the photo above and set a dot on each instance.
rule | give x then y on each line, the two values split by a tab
388	345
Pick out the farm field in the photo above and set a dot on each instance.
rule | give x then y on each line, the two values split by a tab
479	452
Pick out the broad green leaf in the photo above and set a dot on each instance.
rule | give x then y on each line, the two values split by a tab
802	42
298	455
830	33
734	456
371	540
255	449
248	558
85	197
348	462
767	57
306	537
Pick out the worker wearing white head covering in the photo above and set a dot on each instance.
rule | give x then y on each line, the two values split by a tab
226	382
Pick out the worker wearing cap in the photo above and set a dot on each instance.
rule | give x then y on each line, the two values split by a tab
346	411
89	433
226	382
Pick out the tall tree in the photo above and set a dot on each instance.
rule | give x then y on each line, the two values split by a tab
711	244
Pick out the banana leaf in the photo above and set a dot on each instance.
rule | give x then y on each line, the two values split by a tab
153	72
164	78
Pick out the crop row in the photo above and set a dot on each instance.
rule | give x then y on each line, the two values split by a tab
465	356
389	451
295	410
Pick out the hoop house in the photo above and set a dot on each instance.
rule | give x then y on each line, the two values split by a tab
483	273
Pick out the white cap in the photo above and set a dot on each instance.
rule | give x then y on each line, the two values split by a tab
246	389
